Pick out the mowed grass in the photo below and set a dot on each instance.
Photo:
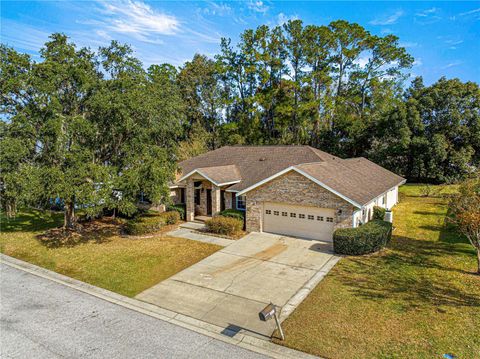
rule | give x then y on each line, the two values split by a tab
416	299
120	264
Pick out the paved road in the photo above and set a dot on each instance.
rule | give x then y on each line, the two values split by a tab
43	319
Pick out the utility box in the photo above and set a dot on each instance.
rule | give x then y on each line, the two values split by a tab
389	216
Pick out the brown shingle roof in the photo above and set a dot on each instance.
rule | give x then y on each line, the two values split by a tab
357	179
255	163
221	174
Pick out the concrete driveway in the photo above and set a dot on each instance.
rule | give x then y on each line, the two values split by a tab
231	286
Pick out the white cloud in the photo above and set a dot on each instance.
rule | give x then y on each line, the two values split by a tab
418	62
137	19
282	18
427	12
220	9
428	16
362	61
471	12
257	6
451	64
408	44
453	42
388	20
22	36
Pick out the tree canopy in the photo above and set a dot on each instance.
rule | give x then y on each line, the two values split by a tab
93	129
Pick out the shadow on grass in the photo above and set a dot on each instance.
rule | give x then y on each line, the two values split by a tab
412	274
31	220
98	231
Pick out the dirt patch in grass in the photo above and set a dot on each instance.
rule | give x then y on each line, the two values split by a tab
120	264
99	231
418	298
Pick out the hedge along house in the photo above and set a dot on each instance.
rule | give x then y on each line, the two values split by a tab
291	190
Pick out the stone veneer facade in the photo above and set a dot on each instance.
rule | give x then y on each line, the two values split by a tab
294	188
192	209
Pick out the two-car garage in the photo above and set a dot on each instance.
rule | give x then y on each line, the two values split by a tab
299	221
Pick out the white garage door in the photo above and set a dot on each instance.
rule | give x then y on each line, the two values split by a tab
298	221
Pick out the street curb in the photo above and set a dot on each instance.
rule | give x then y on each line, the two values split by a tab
239	339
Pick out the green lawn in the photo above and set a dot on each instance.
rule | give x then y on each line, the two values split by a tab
416	299
104	258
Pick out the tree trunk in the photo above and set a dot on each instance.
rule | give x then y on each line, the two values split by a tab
478	261
69	219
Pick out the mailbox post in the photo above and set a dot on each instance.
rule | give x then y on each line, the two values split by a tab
267	313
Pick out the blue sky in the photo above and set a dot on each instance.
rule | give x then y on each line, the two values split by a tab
444	37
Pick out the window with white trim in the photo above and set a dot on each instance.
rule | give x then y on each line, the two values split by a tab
241	203
310	216
301	215
284	214
276	213
293	215
320	218
267	211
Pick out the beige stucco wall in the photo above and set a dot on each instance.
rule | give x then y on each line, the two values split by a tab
294	188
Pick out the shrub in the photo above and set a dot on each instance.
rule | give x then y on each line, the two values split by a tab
171	217
233	213
145	224
224	225
368	238
379	213
180	208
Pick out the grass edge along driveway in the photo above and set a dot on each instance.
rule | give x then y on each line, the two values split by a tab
120	264
417	298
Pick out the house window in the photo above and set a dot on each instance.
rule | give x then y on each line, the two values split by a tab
301	215
330	219
383	200
276	213
267	211
320	218
241	203
293	215
311	217
284	214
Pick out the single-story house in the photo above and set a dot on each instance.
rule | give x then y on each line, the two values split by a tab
292	190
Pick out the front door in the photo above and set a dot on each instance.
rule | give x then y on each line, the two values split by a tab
209	202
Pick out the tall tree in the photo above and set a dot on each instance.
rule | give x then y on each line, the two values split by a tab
202	93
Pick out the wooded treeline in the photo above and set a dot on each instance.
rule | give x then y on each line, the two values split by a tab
96	128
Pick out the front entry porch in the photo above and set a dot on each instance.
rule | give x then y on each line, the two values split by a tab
205	199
